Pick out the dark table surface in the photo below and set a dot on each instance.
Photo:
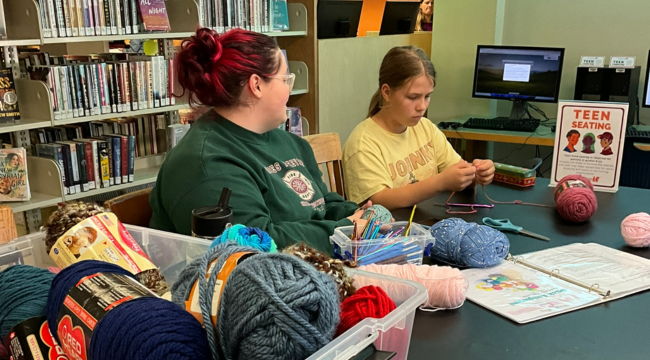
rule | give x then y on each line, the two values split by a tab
618	329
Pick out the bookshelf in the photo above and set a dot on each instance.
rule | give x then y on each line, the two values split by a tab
23	24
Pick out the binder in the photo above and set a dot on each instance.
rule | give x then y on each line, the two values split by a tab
558	280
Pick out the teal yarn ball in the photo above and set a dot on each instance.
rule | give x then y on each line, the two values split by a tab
247	236
23	295
381	214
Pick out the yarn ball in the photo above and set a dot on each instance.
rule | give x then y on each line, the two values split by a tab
276	306
23	295
368	302
636	230
446	286
54	270
575	204
197	270
381	214
149	328
247	236
468	244
70	214
334	268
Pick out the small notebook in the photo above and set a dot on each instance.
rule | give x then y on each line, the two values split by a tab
550	282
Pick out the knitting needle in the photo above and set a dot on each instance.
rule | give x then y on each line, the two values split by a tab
408	229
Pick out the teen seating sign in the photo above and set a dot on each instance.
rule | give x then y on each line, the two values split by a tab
589	140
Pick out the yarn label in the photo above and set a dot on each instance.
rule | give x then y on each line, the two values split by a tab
87	303
589	141
32	340
193	306
104	238
567	185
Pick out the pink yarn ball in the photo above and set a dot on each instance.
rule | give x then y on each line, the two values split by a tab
446	286
575	203
636	230
54	270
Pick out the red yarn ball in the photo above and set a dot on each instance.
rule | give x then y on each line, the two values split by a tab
575	202
368	302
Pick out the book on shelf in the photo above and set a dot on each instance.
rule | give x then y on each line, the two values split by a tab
100	84
14	185
100	154
74	18
9	110
175	133
554	281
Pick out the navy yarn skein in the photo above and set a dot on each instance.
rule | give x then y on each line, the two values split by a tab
277	306
23	295
148	328
468	244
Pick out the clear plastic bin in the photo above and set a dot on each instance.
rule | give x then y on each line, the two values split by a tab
172	252
400	249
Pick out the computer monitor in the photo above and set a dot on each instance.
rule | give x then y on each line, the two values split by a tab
646	92
338	18
518	73
399	17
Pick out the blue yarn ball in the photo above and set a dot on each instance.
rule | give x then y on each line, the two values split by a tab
277	306
468	244
246	236
23	295
381	214
141	329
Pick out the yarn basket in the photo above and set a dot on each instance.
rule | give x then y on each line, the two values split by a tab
368	302
247	236
575	203
334	268
146	328
23	295
635	230
470	245
381	214
446	286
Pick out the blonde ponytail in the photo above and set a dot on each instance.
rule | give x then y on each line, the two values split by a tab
375	104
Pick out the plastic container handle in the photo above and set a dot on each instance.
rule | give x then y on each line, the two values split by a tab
354	350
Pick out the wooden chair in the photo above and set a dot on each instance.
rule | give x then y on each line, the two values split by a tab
132	208
327	151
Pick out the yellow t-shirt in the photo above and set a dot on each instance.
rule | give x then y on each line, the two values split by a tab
374	158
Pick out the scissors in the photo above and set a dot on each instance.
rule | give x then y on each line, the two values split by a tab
506	225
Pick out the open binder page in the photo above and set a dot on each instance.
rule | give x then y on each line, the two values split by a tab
620	273
523	294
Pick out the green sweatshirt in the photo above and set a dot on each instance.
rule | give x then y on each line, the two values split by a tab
275	181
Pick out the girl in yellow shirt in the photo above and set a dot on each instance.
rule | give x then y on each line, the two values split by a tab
396	157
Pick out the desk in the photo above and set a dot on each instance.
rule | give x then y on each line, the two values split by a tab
477	138
614	330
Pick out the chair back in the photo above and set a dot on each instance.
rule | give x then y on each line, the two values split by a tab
132	208
327	151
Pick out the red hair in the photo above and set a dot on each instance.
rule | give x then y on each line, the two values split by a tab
213	67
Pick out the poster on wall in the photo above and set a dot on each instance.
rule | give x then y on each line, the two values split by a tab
589	141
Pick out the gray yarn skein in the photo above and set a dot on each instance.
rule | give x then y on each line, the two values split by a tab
277	306
182	287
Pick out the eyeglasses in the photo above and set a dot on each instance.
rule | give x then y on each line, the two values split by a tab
287	79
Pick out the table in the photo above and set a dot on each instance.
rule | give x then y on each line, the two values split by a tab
614	330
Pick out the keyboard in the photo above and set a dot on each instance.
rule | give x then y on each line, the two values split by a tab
502	123
638	135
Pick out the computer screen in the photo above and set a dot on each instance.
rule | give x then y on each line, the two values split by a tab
518	73
399	17
338	19
646	92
